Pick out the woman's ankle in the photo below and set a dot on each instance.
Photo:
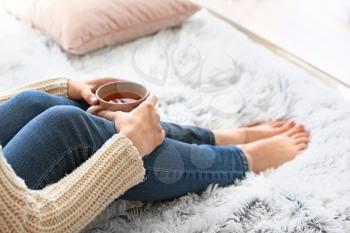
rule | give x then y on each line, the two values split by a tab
230	137
249	158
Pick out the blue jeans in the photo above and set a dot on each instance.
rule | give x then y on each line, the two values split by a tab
46	137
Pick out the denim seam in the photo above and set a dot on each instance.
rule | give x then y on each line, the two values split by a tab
167	131
244	160
211	137
58	160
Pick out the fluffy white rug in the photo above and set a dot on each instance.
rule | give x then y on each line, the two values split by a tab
208	74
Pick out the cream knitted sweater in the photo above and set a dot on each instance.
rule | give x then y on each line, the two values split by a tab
70	204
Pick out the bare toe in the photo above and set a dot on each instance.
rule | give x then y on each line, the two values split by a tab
300	135
301	147
288	125
296	129
276	150
301	140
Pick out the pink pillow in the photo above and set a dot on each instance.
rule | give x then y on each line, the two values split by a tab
81	26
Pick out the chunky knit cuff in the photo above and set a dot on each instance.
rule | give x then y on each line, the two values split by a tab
70	204
55	86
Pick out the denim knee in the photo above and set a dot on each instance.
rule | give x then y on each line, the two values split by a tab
77	121
34	99
64	114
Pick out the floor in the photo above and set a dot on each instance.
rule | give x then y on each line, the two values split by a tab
311	34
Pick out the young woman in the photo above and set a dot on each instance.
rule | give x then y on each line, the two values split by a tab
47	136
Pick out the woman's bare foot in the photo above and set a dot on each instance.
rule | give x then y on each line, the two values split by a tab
274	151
252	133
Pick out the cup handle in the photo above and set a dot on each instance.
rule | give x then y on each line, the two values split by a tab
94	108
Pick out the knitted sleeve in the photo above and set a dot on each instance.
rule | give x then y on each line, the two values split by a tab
70	204
56	86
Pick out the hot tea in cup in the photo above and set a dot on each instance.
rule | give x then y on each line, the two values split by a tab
122	98
119	96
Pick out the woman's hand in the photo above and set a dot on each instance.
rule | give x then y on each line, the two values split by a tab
85	90
141	126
